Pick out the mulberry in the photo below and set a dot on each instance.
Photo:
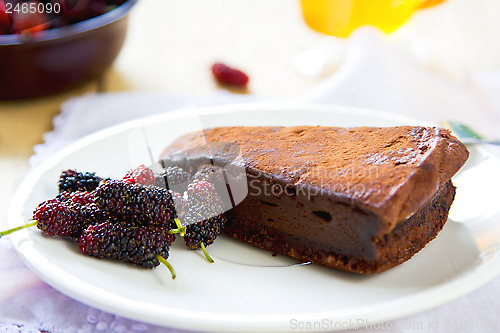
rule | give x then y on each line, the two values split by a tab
144	204
202	191
141	175
145	246
72	180
172	178
202	216
228	75
56	218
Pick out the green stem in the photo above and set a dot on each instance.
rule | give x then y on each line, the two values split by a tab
177	231
181	230
6	232
166	263
204	249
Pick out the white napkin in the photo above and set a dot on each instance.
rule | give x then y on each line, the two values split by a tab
372	75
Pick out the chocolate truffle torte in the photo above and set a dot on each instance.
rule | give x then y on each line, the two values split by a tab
360	199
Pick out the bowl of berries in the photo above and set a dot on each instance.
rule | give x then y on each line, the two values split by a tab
49	46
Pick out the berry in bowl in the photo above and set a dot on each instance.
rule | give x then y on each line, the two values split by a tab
49	46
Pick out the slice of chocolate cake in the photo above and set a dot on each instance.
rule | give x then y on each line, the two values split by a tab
361	199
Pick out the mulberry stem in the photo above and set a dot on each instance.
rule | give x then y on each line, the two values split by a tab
9	231
180	229
166	263
203	248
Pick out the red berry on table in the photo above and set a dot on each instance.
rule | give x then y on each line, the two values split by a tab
29	21
228	75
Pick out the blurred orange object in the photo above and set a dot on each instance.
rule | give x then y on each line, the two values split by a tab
340	17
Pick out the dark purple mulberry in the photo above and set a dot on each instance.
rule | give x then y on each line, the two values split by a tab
204	218
88	211
83	198
72	180
204	232
172	178
202	191
139	245
84	204
219	178
180	205
138	203
56	218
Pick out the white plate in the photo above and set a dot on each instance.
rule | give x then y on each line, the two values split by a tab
247	289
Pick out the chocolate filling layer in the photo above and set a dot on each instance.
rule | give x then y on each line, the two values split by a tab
347	239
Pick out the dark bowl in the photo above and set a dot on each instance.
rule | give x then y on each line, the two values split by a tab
60	59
